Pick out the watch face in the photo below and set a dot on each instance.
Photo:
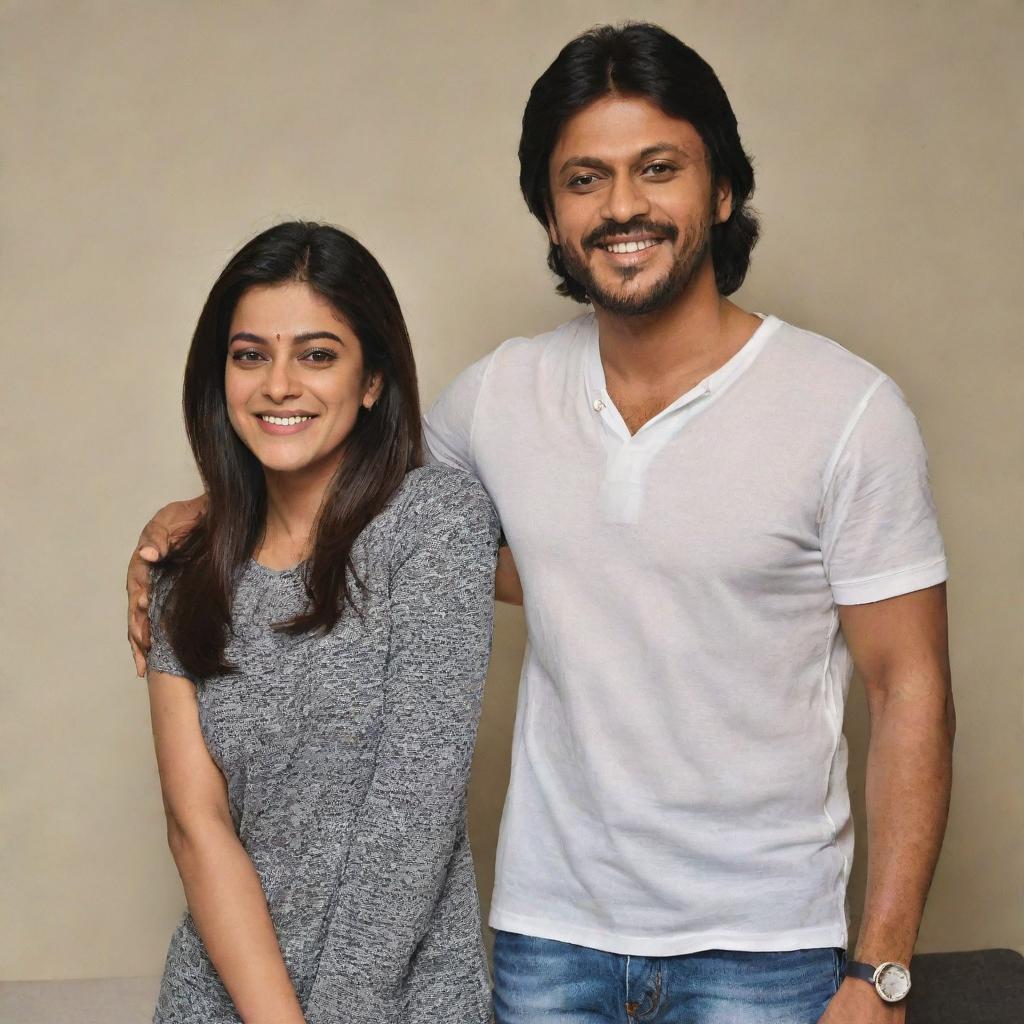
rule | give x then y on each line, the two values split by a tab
892	982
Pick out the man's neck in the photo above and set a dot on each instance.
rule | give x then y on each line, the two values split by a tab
649	361
699	328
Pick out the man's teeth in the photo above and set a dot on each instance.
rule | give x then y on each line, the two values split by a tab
285	421
621	247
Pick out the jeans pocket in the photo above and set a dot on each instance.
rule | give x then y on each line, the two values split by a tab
839	956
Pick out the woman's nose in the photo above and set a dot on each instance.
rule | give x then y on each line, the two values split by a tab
280	382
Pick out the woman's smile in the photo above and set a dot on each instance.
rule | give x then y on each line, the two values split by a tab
284	424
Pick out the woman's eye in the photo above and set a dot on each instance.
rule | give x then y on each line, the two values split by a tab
246	355
320	355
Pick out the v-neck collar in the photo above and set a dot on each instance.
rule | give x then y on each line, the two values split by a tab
708	389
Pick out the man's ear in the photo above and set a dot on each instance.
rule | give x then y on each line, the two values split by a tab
551	225
723	201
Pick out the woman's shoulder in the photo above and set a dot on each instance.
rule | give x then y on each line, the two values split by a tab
440	500
441	487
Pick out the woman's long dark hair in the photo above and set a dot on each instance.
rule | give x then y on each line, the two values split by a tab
384	444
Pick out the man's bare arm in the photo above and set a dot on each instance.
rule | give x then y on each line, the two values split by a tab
161	533
900	648
174	521
507	586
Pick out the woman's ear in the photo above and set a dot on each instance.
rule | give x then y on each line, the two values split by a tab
373	391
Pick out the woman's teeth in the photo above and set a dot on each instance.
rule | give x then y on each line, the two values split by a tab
285	421
623	247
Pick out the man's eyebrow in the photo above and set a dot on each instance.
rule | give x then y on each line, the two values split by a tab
663	147
584	161
648	151
299	339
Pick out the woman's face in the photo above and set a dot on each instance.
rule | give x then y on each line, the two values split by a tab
294	378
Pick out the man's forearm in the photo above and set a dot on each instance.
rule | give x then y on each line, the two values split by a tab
909	774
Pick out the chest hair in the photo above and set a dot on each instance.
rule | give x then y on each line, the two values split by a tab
636	406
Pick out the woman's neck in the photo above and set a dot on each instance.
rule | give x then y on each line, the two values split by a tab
293	503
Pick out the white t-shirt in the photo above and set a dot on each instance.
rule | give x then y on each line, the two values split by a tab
679	769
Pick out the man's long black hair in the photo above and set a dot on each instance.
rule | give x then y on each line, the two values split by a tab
640	59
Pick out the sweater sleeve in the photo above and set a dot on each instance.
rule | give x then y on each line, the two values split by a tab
406	830
161	657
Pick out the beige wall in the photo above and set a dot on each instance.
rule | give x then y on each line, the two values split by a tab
142	142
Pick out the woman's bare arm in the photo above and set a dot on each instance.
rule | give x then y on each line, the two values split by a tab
221	885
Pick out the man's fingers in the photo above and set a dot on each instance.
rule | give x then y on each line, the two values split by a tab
154	541
138	629
138	657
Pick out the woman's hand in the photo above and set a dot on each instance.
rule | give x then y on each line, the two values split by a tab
161	533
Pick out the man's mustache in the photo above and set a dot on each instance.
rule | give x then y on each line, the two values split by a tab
637	226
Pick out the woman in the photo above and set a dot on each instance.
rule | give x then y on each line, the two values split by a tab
319	643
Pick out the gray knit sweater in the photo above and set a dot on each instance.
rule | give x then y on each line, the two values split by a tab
346	759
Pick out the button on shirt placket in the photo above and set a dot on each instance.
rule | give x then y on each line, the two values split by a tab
628	457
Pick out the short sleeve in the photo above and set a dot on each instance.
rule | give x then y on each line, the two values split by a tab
448	424
879	529
161	656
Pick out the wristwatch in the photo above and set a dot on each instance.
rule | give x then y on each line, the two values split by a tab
891	980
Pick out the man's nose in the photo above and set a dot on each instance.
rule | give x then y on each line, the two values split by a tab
625	200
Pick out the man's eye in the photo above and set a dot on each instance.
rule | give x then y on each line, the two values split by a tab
582	180
658	168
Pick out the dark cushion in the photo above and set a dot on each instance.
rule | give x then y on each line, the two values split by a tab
984	986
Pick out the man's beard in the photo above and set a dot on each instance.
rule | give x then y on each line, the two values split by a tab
661	294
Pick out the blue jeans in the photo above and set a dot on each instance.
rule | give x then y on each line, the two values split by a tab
539	981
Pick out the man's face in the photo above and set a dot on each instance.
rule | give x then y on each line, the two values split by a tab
632	203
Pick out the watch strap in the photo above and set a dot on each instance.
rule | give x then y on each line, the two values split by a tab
856	969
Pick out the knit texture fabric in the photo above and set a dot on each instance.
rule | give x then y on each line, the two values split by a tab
346	758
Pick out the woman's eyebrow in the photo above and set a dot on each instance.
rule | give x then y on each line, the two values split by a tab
299	339
314	336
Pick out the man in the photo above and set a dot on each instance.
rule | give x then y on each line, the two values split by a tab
713	516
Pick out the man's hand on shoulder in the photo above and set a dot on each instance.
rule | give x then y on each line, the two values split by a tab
161	533
857	1002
